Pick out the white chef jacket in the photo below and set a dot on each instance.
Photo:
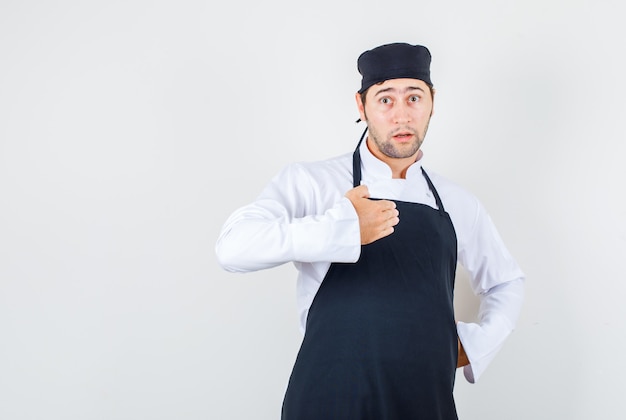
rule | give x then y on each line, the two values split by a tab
303	217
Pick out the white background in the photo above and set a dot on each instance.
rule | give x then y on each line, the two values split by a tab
130	130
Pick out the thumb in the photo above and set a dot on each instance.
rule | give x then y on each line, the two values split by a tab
361	191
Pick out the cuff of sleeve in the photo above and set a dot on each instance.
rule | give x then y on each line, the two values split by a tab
481	344
334	237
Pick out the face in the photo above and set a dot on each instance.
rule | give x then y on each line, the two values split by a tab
397	113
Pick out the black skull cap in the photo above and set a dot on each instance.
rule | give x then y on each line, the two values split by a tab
394	61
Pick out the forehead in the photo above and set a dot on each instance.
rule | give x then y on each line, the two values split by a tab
397	85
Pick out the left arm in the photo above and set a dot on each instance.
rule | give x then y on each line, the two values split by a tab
499	282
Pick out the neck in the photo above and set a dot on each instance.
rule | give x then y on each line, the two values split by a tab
398	166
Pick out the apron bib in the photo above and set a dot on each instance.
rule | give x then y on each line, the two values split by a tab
380	340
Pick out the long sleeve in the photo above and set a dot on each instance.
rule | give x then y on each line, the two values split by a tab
499	282
497	316
291	221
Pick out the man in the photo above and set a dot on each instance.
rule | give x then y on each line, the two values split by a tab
375	239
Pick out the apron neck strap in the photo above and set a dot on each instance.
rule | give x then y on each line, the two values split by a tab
356	162
442	211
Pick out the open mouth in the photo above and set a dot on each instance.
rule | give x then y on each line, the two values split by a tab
403	136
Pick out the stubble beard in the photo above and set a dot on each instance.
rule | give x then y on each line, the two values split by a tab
392	150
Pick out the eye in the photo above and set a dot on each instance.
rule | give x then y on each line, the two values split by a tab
385	101
414	98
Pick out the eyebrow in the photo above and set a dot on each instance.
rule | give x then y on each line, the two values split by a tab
407	89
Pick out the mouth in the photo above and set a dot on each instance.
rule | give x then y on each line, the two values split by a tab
403	136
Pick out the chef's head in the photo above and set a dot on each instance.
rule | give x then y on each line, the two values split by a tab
395	99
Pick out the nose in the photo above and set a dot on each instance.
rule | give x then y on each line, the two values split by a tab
401	114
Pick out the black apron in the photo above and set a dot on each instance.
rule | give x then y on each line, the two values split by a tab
380	340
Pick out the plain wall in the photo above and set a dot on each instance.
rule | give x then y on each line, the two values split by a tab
130	130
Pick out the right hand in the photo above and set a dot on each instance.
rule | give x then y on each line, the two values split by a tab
376	217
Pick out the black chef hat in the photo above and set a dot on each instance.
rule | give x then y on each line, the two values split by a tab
394	61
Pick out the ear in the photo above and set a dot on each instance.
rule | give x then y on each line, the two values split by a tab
360	106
